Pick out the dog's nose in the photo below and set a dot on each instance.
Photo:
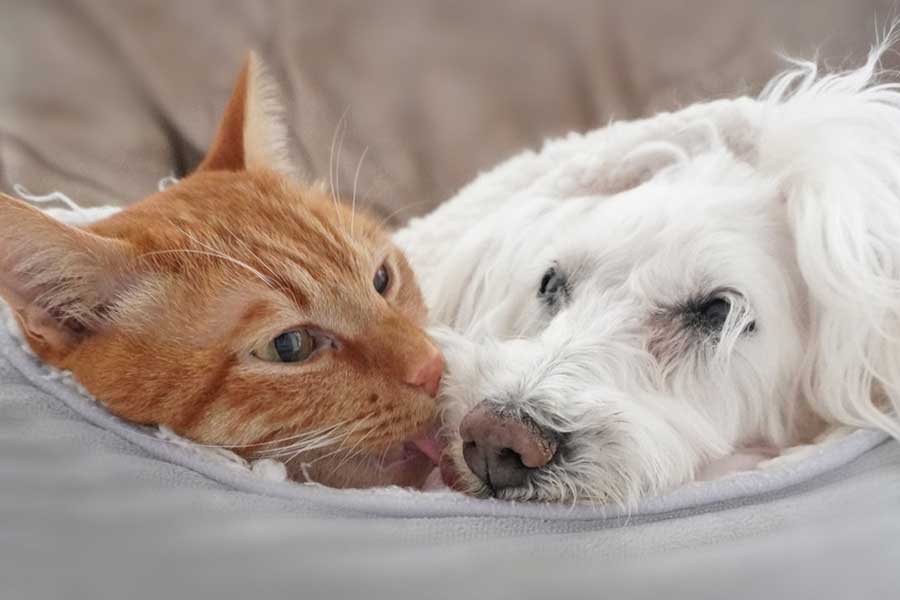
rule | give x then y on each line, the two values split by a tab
501	449
427	373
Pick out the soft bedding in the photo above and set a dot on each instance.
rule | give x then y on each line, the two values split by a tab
94	505
102	98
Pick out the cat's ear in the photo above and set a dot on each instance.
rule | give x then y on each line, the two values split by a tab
252	133
58	280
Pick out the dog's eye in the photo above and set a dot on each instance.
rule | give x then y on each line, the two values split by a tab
289	347
713	313
554	288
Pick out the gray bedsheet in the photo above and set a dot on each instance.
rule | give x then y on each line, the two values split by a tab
92	507
101	98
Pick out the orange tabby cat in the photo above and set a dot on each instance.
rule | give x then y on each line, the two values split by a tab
238	308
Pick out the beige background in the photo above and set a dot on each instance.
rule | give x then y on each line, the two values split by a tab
101	98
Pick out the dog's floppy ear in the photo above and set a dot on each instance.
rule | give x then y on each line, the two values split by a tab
251	133
832	146
57	279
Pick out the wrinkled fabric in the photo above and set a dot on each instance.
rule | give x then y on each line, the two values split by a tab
103	98
91	505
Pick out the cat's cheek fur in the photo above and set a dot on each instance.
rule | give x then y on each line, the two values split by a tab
156	310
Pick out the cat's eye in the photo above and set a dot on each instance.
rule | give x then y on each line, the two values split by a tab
382	279
289	347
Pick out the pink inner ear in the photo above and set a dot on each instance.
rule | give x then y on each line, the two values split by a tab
54	275
55	335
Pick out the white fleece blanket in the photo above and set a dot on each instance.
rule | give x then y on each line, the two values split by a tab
113	510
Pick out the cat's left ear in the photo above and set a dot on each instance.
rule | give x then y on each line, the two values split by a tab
61	282
252	133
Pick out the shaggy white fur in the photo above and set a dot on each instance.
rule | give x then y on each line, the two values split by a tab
663	293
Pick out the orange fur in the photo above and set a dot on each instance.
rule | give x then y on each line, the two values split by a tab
157	310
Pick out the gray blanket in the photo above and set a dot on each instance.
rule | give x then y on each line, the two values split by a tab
102	98
93	507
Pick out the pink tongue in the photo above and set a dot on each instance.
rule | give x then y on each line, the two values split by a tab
429	447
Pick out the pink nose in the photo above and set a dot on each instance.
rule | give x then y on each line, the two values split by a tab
427	373
502	450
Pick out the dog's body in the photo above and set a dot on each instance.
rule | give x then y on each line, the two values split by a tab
628	307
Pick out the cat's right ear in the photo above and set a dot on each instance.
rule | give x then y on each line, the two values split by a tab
58	280
252	133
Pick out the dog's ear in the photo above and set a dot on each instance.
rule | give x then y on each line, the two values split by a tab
832	148
57	279
251	133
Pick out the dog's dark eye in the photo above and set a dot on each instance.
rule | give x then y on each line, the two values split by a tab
382	280
713	313
710	316
554	288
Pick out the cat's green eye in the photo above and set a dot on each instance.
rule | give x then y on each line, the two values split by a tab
289	347
382	280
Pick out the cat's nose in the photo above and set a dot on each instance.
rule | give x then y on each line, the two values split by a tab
503	449
426	374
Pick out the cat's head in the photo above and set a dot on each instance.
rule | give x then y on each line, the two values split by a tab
239	308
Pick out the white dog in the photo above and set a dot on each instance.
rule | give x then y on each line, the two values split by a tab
626	307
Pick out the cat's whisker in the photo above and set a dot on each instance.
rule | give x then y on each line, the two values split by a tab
338	441
209	247
219	255
296	444
320	431
337	166
295	450
250	251
305	449
350	453
332	170
320	441
359	165
401	209
341	447
383	455
353	456
317	432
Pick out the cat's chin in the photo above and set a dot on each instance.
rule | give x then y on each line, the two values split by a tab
406	464
409	466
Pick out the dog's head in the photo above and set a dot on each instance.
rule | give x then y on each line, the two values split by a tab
743	289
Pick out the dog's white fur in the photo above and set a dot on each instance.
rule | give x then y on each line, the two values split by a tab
787	206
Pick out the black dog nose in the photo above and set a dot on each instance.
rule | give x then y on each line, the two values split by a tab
502	449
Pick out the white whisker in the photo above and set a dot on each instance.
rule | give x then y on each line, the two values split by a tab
219	255
331	164
359	165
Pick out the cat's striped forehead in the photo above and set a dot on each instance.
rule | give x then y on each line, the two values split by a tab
296	239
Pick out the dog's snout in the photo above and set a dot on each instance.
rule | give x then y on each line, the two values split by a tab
502	449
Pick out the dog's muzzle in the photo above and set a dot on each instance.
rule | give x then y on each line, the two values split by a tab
503	449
